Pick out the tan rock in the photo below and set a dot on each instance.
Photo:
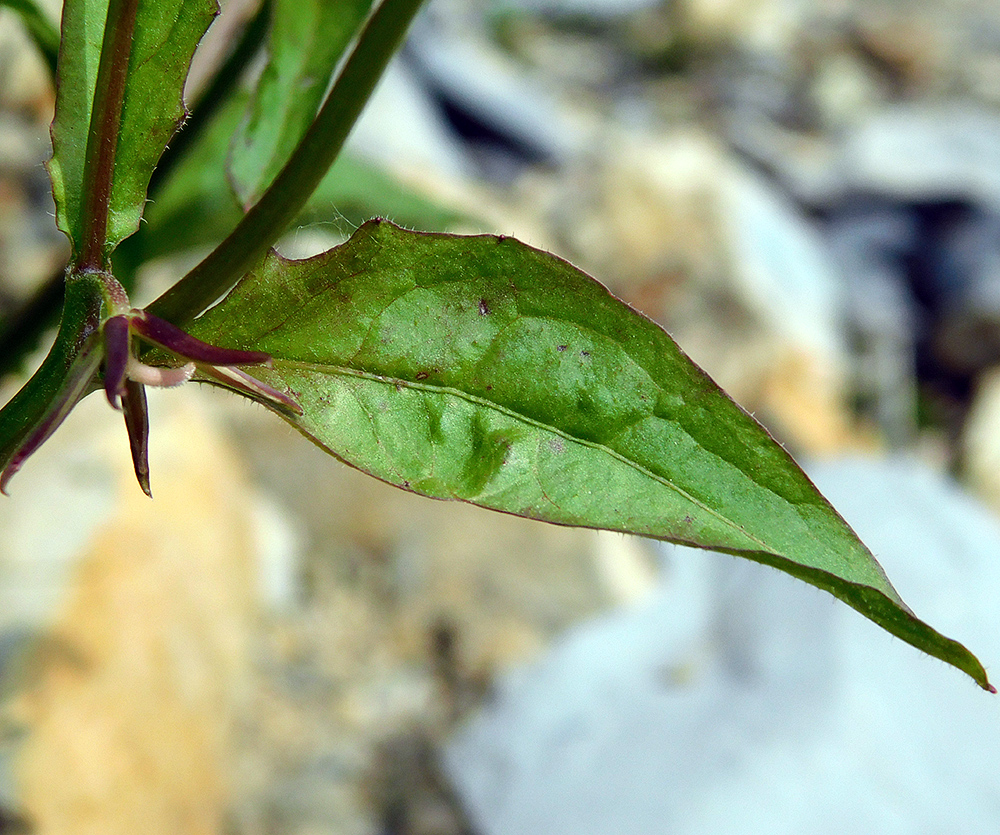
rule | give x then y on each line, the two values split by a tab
981	440
130	695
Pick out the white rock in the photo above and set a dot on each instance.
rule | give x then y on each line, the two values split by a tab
742	701
401	123
922	152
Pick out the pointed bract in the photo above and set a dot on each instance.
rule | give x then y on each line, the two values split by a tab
116	355
74	368
137	426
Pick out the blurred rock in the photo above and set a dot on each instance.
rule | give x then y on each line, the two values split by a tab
909	210
869	242
844	88
923	153
353	671
141	615
593	9
401	126
742	701
24	78
31	249
981	440
759	25
506	118
691	236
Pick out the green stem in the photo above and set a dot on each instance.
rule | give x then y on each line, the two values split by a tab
295	183
105	124
21	331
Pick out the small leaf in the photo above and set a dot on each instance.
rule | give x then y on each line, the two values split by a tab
482	370
307	39
166	34
195	205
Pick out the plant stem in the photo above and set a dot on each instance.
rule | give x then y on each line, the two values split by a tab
21	331
295	183
105	124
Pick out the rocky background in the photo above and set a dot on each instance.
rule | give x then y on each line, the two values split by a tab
806	194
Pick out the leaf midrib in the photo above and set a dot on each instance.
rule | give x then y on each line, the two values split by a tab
482	402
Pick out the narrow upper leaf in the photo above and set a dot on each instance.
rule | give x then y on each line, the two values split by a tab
79	58
308	37
482	370
256	233
166	34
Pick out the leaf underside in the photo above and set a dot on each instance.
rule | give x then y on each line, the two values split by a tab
479	369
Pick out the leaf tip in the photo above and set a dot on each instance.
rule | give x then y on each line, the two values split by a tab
978	673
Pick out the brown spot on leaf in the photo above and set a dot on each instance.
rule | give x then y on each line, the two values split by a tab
484	308
421	375
560	348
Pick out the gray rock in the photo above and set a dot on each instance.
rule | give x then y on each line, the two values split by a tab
868	244
593	9
741	701
922	152
504	108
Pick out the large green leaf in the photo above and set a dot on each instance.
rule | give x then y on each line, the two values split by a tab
477	368
165	36
308	37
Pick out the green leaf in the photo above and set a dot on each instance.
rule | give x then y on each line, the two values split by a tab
195	206
308	37
482	370
166	34
291	189
80	56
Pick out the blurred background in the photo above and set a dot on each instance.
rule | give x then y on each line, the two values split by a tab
806	195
